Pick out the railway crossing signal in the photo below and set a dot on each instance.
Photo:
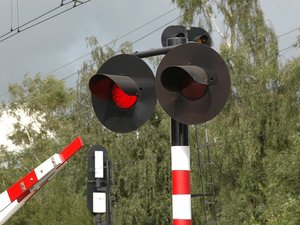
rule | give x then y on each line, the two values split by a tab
192	83
123	93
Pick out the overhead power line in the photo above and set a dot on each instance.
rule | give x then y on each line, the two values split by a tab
290	31
39	19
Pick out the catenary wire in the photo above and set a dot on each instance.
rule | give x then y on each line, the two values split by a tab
18	15
19	29
11	16
290	31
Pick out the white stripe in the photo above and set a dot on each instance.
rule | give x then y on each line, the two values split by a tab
9	211
47	166
4	200
56	159
180	158
182	207
12	208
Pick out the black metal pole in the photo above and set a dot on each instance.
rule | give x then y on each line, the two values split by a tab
98	220
179	134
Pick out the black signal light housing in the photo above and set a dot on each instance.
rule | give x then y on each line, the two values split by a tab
123	93
192	83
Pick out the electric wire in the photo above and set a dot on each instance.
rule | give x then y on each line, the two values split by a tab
32	20
285	50
18	16
19	27
290	31
148	34
114	40
11	16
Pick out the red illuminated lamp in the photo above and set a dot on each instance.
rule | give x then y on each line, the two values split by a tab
104	88
121	99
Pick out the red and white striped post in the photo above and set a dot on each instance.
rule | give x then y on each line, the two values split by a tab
180	162
181	188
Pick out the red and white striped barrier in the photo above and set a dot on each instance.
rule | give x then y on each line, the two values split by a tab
181	185
20	192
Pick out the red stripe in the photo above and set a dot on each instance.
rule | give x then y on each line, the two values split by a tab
181	182
71	149
17	189
182	222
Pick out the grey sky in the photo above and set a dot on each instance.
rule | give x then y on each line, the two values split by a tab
60	40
